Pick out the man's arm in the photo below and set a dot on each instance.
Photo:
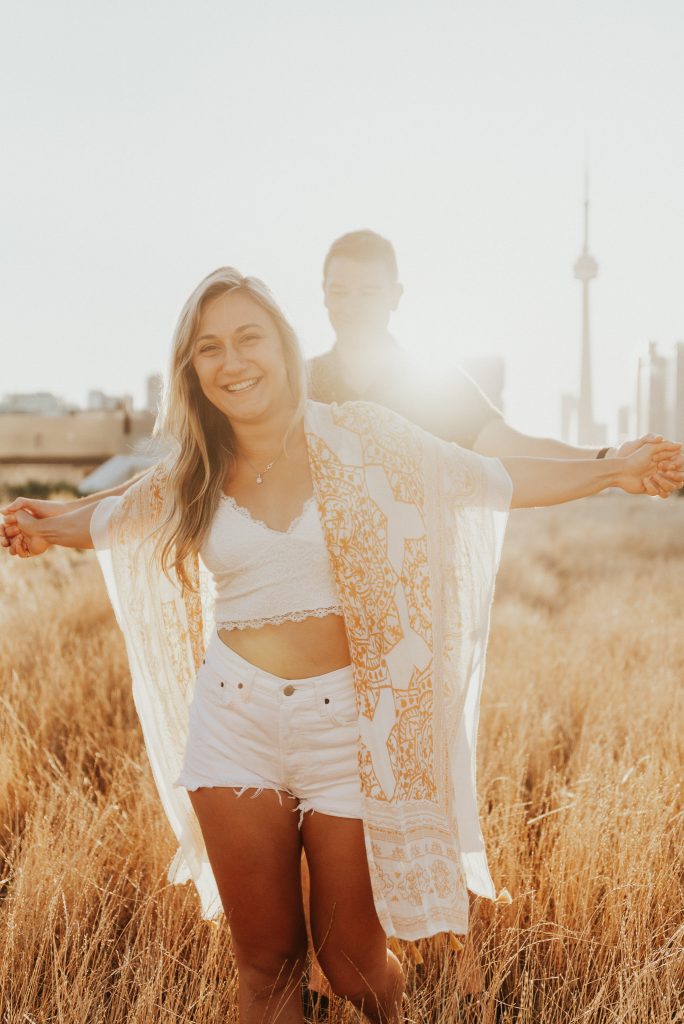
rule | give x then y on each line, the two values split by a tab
539	482
497	438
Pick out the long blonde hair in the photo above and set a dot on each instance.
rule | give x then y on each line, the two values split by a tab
201	434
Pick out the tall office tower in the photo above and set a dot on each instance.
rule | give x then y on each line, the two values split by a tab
586	269
677	392
653	408
568	418
155	386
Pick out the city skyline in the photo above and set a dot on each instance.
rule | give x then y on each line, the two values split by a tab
657	404
461	138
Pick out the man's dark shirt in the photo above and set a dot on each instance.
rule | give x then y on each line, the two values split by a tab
446	402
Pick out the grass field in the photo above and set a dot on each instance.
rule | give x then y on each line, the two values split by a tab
580	783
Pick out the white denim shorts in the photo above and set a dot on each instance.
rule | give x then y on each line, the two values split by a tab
251	729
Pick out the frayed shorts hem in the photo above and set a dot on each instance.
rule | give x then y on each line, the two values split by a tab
303	806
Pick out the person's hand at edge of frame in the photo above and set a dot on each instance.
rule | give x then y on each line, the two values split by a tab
40	508
670	473
647	461
19	533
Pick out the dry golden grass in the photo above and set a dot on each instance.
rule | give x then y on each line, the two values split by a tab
580	783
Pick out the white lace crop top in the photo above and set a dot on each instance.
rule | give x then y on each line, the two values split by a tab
268	576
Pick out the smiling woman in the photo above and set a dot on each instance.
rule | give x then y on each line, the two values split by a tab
235	360
240	366
304	591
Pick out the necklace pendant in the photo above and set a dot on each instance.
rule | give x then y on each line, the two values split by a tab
260	479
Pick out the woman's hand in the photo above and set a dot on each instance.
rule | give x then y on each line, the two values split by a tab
40	508
28	535
651	459
22	533
669	476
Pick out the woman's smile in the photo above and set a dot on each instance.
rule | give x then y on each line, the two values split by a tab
243	385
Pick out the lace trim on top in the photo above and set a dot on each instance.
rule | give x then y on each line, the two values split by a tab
264	576
259	522
276	620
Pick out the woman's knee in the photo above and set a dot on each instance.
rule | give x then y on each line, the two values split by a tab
274	969
353	978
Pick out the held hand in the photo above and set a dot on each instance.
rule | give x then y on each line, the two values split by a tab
670	475
15	546
22	533
11	537
648	462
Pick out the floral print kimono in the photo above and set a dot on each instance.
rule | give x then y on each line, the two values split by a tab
414	528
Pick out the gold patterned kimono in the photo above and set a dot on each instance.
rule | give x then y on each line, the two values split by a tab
414	528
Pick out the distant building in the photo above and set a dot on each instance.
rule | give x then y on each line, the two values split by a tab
39	403
155	386
625	431
660	392
84	438
98	401
568	417
675	395
490	373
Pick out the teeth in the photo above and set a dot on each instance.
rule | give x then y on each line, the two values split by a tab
242	386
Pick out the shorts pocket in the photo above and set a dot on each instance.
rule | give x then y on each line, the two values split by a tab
222	688
336	704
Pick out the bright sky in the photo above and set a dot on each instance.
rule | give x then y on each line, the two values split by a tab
148	141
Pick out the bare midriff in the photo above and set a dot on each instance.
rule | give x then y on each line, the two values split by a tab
293	650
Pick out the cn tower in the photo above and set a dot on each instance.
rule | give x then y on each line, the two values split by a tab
586	269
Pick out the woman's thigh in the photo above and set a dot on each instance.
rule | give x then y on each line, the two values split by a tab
347	935
254	848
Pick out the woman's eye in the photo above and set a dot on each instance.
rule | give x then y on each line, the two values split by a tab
250	337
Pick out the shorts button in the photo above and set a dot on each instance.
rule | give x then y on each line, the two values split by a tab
288	690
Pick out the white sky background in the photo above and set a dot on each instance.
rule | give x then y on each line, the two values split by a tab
146	143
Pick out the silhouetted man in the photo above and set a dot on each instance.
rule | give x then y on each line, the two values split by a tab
361	291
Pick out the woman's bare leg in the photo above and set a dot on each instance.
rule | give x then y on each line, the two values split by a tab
254	848
317	981
467	963
348	937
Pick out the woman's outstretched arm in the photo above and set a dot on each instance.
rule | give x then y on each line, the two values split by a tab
553	481
69	530
40	509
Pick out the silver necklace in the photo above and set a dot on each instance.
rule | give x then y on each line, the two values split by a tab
260	475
